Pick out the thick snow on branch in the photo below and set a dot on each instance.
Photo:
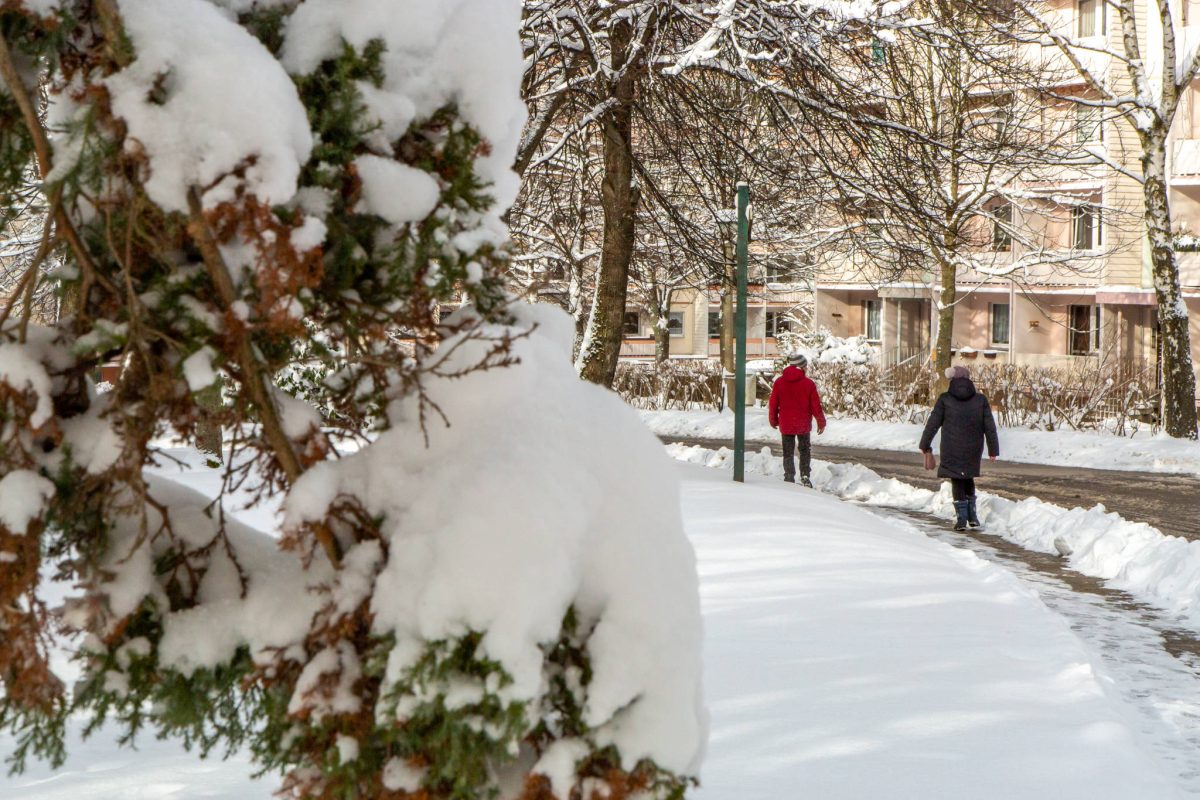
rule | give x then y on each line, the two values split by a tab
521	509
204	98
436	54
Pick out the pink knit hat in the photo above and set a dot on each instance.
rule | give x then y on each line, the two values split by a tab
957	372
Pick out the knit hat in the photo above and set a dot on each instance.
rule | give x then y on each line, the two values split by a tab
957	372
797	360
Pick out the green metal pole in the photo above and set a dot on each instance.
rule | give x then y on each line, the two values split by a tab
739	322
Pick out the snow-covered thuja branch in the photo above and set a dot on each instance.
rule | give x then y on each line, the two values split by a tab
280	198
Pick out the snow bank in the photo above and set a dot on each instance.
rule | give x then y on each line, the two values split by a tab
1141	453
1132	556
506	520
851	658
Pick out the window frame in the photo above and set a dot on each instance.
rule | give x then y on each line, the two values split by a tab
1095	233
682	323
1091	334
1002	238
992	340
867	306
1089	116
625	324
776	322
1099	18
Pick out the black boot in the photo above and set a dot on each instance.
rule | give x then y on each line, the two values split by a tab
972	517
960	509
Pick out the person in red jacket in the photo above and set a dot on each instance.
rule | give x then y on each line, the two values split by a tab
794	405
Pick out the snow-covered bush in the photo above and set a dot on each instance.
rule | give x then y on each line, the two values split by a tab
822	347
245	188
679	384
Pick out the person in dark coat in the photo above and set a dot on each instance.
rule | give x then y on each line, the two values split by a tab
794	404
966	422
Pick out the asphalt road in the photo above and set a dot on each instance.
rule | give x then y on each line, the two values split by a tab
1170	503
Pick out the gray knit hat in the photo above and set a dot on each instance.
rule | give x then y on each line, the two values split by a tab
957	372
798	360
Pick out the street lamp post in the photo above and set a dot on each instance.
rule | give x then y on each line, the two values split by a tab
739	402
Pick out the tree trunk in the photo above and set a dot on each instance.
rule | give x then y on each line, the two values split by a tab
728	284
942	355
1178	375
662	339
618	198
577	306
208	427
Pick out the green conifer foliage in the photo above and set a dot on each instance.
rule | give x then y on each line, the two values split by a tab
230	290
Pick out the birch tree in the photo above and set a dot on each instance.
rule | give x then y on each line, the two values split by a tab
1138	79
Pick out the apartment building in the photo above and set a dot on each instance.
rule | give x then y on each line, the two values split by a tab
1089	297
777	302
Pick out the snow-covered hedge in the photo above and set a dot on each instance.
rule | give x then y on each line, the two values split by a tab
822	347
677	384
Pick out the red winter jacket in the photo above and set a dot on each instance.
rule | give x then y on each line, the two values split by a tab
795	403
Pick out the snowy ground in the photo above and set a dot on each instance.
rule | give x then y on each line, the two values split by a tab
846	657
1142	452
851	658
1160	570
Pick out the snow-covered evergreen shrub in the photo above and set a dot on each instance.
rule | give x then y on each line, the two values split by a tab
245	190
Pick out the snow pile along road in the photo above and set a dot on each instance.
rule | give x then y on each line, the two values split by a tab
851	659
1161	570
1140	453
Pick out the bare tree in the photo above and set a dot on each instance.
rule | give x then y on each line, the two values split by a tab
601	69
1140	80
929	168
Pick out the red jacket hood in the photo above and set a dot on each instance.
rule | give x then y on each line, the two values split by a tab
792	374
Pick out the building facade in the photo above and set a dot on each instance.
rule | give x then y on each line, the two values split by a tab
1088	296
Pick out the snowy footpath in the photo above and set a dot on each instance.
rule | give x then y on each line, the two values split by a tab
845	658
1141	452
849	658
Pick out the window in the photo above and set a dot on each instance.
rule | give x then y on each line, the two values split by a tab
777	323
1084	331
675	323
999	17
1085	227
1190	14
1091	17
872	319
1087	124
714	324
1000	313
1002	228
778	272
631	324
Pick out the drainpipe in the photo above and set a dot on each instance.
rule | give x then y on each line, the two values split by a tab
1012	322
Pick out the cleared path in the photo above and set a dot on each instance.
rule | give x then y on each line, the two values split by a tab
1170	503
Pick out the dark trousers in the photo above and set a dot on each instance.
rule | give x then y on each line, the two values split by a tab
789	450
962	488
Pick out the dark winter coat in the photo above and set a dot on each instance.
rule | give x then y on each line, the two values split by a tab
965	419
795	403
